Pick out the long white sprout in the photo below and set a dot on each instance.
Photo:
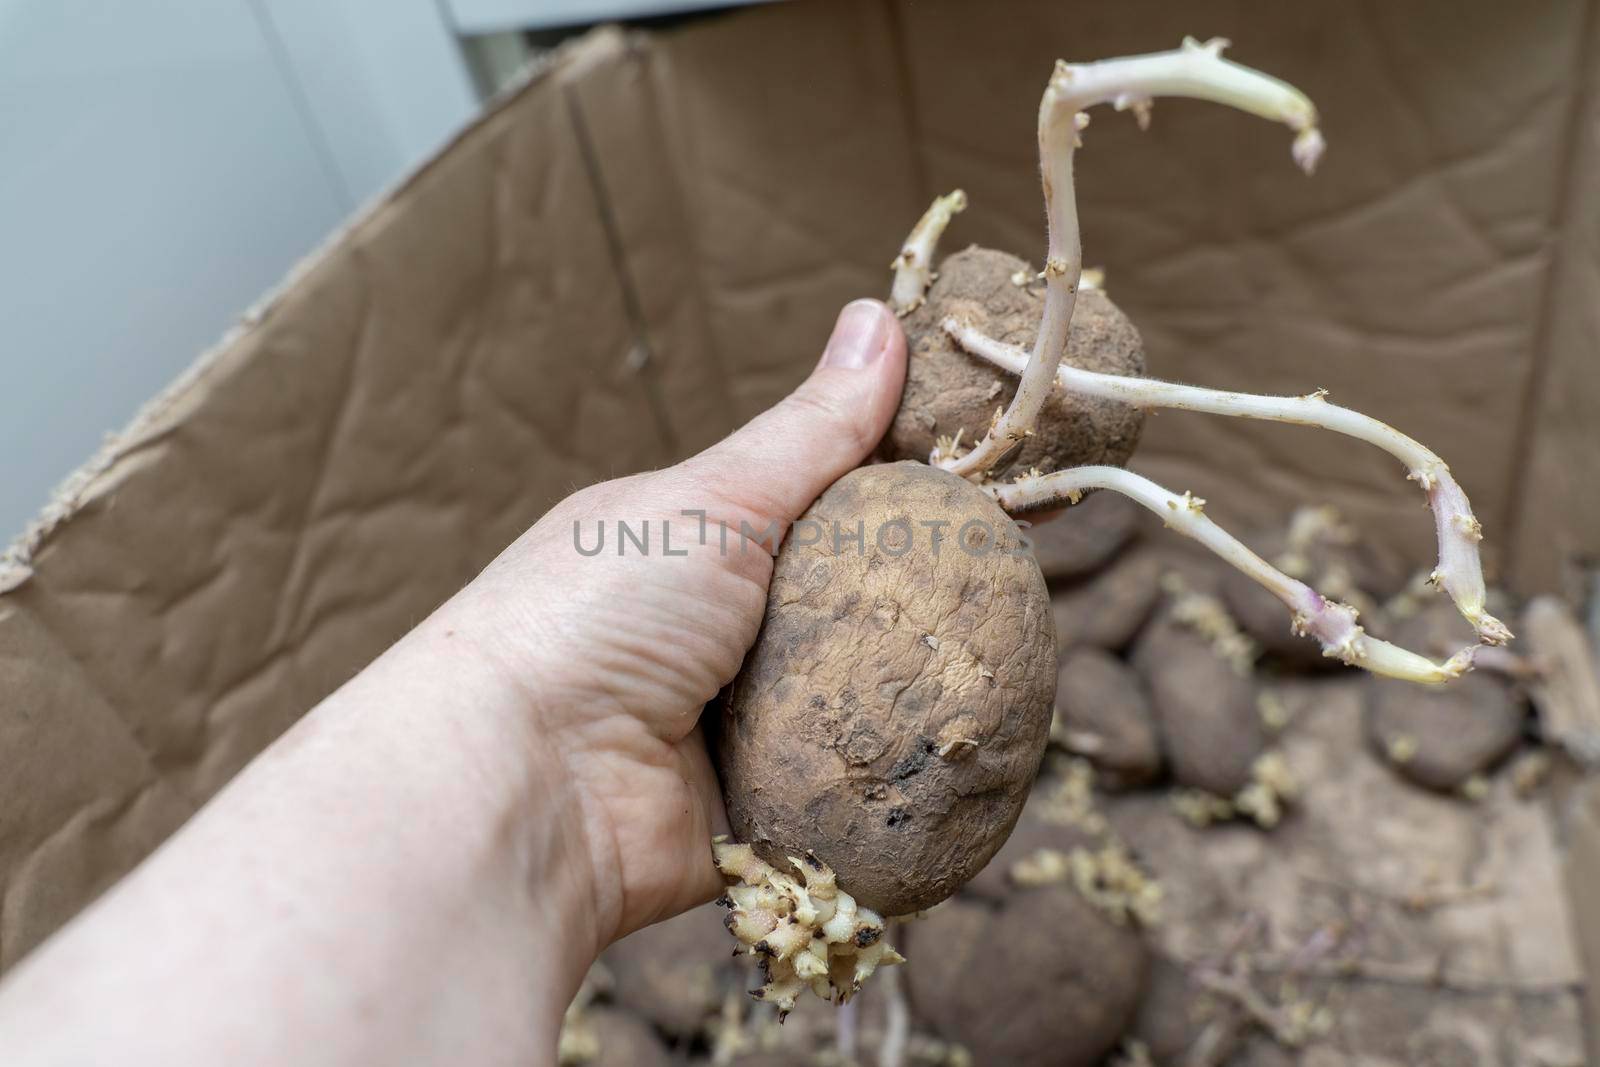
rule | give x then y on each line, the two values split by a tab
1193	70
1460	571
913	267
1334	625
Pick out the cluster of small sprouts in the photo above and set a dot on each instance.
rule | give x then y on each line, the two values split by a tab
1194	70
1106	877
805	932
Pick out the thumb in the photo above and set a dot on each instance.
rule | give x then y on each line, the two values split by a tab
779	462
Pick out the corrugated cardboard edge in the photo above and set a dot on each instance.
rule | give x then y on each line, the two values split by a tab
92	825
157	415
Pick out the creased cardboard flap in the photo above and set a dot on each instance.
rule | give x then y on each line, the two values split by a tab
453	363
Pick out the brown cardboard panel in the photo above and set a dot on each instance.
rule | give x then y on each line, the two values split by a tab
792	154
1557	518
1556	474
1406	277
79	801
613	98
453	365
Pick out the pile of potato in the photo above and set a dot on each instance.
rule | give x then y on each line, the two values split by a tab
1235	853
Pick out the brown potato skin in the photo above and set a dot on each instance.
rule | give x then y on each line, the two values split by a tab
1176	1012
868	664
1044	980
1109	609
1099	695
1459	729
947	389
1211	731
1089	535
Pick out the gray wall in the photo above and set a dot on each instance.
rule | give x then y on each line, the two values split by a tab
162	163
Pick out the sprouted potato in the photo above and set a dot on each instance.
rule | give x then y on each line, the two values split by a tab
886	726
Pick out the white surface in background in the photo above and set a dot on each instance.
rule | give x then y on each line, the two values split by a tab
165	162
384	81
490	16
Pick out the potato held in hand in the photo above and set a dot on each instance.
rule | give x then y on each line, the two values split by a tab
896	705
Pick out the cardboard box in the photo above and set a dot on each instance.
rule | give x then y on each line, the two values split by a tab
644	245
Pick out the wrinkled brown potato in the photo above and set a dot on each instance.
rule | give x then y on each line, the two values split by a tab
676	973
1205	709
896	705
1044	979
948	390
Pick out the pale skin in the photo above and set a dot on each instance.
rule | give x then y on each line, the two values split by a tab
424	867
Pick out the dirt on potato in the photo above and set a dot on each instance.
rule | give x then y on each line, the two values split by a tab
897	703
1378	923
948	390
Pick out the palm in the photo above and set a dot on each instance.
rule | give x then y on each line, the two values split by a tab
627	650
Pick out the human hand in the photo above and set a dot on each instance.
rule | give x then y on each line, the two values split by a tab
616	653
424	866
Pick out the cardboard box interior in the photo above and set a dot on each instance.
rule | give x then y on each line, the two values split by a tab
645	244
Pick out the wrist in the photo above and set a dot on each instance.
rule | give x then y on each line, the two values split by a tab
497	822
